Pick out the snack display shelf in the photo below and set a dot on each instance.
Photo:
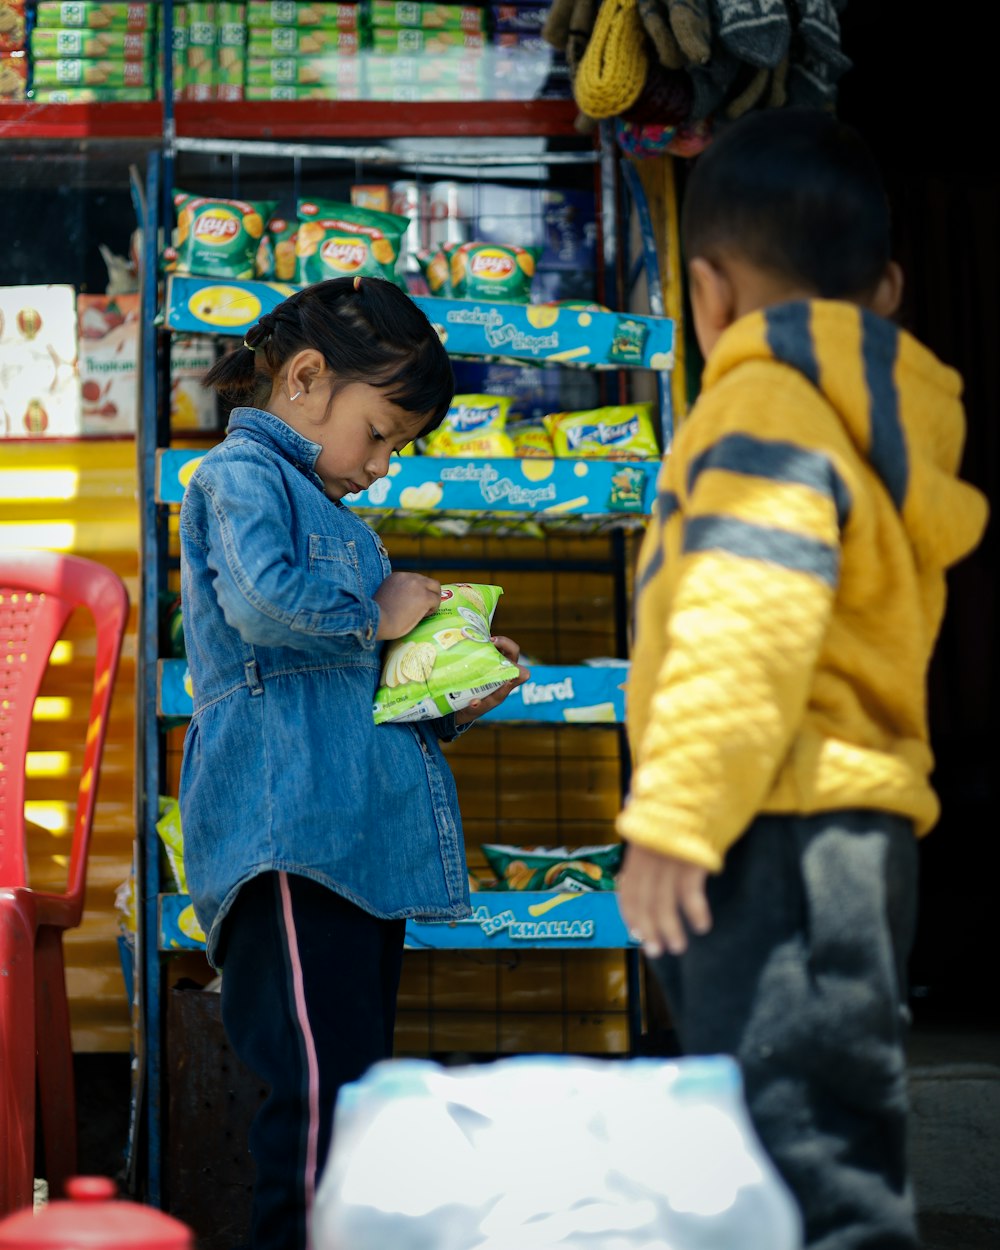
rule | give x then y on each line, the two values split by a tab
499	920
287	119
566	694
543	334
538	488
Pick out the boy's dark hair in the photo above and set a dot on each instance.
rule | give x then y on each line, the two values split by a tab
367	330
794	192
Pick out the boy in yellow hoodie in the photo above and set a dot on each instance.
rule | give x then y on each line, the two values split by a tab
789	592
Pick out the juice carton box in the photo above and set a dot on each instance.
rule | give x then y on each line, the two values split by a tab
108	328
39	387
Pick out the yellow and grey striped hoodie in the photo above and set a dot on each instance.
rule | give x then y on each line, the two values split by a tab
791	583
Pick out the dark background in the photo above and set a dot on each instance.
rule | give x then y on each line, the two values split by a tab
919	94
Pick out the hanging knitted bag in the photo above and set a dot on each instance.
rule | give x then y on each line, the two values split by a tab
613	69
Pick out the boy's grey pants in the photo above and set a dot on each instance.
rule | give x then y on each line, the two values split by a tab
803	979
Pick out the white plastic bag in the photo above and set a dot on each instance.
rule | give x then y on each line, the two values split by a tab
550	1153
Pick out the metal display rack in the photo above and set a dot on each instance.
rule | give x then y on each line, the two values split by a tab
503	920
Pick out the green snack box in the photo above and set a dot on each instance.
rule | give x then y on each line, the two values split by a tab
280	91
397	71
272	41
388	41
92	15
91	95
309	13
291	71
403	13
84	73
446	661
119	45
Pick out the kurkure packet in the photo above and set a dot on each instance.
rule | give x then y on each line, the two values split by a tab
337	240
617	432
476	425
446	662
218	238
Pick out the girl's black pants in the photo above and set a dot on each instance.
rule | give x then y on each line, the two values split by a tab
309	984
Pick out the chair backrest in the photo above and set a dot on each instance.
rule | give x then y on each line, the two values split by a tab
39	590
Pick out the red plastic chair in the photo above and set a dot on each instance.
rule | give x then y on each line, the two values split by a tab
39	590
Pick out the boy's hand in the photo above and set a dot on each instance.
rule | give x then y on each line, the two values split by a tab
478	707
404	599
656	894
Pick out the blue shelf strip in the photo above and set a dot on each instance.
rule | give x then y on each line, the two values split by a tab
554	694
499	921
542	333
539	488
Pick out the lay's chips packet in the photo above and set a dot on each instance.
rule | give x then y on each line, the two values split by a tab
433	264
446	661
617	432
501	272
276	254
337	240
476	425
218	238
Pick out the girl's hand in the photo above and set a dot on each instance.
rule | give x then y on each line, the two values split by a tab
404	599
478	707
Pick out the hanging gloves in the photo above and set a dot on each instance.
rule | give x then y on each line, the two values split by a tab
692	27
656	22
755	31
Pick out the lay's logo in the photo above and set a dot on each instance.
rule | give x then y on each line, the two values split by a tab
604	435
346	255
216	225
490	264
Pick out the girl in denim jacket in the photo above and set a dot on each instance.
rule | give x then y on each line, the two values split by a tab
311	834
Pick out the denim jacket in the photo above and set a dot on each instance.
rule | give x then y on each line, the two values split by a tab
284	768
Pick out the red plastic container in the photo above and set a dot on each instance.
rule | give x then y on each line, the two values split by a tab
94	1218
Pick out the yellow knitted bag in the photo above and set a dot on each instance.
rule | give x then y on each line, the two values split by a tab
614	66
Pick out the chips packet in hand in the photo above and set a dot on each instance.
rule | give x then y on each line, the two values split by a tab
446	661
574	869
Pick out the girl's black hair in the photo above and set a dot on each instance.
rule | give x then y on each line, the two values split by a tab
367	330
795	192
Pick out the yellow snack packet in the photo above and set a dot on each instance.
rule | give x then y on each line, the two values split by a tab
616	432
476	425
531	438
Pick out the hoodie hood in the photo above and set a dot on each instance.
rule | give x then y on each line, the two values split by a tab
900	406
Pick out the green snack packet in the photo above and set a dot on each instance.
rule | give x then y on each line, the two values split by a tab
172	840
434	266
572	869
95	15
494	271
628	342
218	238
446	661
337	240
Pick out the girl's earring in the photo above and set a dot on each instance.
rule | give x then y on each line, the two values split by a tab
294	397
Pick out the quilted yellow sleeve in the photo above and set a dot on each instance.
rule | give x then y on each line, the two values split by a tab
753	591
